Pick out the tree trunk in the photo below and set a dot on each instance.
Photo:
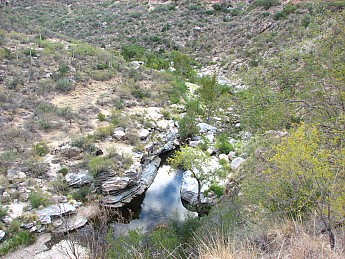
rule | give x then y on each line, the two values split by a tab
199	196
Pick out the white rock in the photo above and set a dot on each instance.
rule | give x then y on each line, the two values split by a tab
143	134
119	134
2	234
224	156
236	163
162	124
231	155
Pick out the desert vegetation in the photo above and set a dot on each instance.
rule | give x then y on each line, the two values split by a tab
94	88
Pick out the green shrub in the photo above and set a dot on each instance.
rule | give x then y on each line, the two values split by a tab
3	211
30	52
187	127
216	189
63	171
38	199
82	193
40	148
132	52
101	117
99	164
223	144
266	4
101	75
21	238
63	85
4	53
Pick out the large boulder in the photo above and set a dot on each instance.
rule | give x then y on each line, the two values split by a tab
236	163
71	223
119	134
204	127
79	179
57	210
115	184
143	134
70	152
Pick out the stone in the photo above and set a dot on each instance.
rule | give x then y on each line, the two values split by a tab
71	223
189	188
231	155
71	152
115	184
194	143
236	163
224	157
163	124
2	234
15	174
79	179
119	134
45	215
143	134
204	127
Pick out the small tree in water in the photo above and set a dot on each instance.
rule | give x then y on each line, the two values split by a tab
196	161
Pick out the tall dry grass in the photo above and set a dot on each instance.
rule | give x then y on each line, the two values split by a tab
286	239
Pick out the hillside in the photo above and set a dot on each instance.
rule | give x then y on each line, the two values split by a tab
92	92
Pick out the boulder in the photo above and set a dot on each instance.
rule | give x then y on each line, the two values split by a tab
143	134
189	188
236	163
13	174
194	143
204	127
231	155
115	184
224	156
2	234
57	210
162	124
70	152
71	223
79	179
119	134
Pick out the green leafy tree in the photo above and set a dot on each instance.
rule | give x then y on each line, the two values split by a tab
196	161
210	93
306	173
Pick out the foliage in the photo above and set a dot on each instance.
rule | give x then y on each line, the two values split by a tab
38	199
23	237
183	64
266	4
101	117
99	164
82	193
216	189
132	52
196	161
223	144
187	126
40	148
210	93
3	211
63	85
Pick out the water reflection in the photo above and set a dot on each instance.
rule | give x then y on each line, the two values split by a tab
162	201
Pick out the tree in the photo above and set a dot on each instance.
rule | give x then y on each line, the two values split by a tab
306	173
210	93
196	161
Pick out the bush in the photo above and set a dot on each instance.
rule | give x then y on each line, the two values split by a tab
132	52
266	4
4	53
21	238
63	85
38	199
101	117
187	127
223	144
101	75
82	193
3	212
30	52
40	148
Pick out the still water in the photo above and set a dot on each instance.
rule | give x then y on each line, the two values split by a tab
161	202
